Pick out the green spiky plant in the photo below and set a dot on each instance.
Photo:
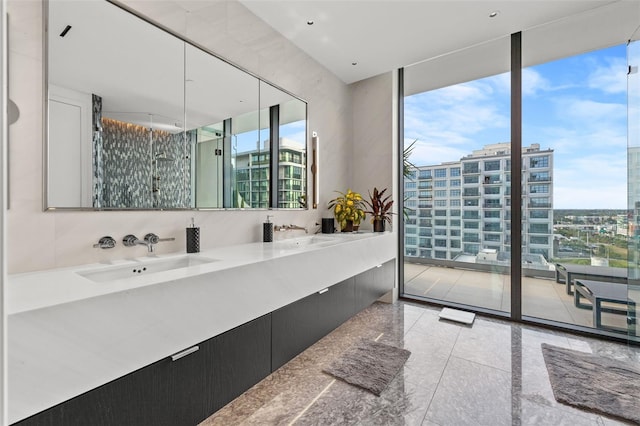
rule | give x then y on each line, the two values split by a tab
407	165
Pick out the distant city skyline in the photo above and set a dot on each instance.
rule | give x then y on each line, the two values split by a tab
575	106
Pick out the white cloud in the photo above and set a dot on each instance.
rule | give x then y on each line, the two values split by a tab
611	77
447	121
587	111
588	198
429	153
591	181
297	136
533	82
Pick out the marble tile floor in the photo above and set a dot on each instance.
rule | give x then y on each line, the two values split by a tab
542	298
489	373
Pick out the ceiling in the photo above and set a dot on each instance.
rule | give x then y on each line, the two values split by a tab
147	76
357	39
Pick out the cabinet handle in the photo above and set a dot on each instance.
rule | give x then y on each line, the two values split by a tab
378	266
323	291
184	353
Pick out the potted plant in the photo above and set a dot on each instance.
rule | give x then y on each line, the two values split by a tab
348	209
379	209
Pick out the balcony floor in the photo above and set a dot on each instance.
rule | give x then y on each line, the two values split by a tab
542	298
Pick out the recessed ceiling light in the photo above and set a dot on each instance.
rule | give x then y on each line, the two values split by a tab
310	22
65	31
494	14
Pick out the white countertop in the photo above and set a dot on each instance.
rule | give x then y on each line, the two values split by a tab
68	334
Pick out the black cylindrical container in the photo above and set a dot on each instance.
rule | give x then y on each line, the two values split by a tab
193	240
267	232
328	225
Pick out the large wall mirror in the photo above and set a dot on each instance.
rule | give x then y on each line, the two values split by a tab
138	118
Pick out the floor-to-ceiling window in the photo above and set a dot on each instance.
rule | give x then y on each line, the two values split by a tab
573	205
576	194
457	179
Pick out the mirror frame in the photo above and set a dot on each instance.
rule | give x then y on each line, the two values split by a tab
273	173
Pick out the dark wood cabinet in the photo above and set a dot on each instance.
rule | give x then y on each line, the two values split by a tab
241	358
162	393
188	385
300	324
293	329
373	284
336	305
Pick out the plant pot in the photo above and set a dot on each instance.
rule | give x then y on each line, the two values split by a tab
348	226
378	225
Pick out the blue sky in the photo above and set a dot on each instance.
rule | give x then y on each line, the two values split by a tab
295	131
576	106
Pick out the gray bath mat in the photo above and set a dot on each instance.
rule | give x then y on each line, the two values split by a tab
602	385
369	365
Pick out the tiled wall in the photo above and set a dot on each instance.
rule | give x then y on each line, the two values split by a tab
42	240
142	169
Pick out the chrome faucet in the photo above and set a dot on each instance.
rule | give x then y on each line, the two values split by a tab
291	228
302	228
105	243
149	241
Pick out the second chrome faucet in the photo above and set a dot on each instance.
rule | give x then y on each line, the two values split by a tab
149	240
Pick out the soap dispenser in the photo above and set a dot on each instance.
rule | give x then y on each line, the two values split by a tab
267	230
193	238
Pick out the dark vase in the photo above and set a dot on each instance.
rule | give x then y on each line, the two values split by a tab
378	225
348	226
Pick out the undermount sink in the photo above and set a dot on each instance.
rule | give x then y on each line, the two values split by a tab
305	242
110	273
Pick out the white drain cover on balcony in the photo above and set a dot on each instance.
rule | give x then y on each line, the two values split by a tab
458	316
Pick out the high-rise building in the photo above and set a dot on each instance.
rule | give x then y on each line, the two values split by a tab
252	176
464	207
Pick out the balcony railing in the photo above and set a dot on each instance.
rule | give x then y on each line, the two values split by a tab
540	205
540	179
492	206
491	229
539	231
